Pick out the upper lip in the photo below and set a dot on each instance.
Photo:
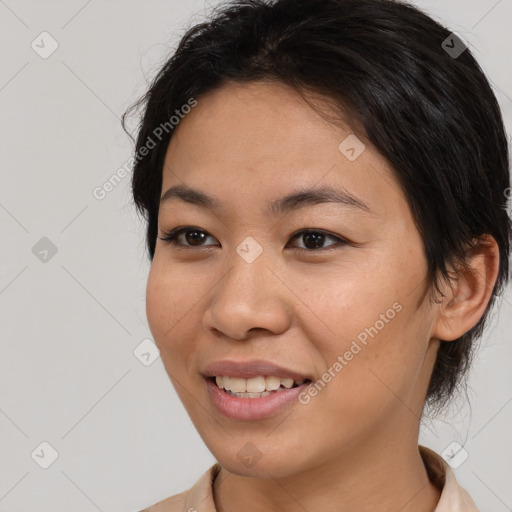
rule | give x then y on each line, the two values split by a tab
250	369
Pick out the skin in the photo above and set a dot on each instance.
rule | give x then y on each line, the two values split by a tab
354	446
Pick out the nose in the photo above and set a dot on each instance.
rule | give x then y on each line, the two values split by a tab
250	297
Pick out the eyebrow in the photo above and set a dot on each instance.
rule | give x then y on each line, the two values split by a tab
300	198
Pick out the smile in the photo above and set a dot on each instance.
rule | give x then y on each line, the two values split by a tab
251	406
255	387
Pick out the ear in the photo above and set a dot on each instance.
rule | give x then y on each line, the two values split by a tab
467	296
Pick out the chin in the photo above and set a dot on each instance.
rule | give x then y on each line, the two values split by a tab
262	466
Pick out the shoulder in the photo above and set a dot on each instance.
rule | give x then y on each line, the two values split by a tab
198	497
454	498
175	503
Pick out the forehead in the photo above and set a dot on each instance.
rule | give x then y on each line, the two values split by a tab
263	139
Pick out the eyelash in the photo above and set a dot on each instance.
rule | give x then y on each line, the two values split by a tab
171	236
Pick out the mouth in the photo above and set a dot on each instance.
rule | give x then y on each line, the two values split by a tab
277	394
255	387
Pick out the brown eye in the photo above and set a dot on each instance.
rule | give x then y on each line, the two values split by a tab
193	237
314	239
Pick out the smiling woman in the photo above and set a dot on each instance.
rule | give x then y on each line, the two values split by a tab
328	233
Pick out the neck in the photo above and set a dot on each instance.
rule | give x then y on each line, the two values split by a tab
388	478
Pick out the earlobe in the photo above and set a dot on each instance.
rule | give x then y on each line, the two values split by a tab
467	296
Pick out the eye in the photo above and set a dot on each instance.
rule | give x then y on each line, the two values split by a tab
193	236
313	238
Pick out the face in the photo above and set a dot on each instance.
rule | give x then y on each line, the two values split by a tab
327	290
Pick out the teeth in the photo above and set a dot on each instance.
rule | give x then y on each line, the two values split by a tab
237	385
272	383
255	385
287	383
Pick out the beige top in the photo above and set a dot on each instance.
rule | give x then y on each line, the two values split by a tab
199	498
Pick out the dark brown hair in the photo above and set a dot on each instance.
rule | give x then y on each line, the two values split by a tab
430	112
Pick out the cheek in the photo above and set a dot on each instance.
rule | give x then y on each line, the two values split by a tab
159	304
344	302
365	326
168	308
170	314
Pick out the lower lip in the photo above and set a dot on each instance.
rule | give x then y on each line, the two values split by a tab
247	409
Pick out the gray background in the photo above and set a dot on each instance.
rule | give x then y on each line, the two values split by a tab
70	324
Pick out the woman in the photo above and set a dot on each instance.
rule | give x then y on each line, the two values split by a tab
324	186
